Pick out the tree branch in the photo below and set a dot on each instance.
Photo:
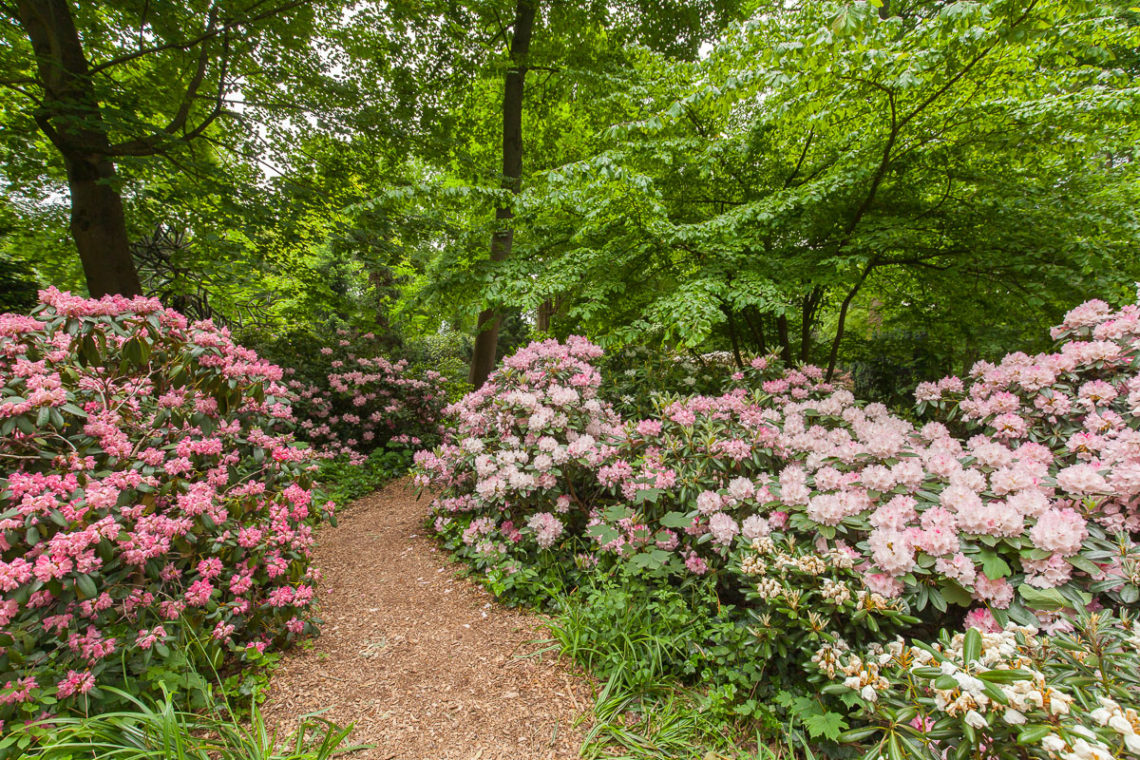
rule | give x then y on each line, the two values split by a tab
964	70
800	163
225	28
151	144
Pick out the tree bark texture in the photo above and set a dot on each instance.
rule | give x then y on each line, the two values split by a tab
71	118
487	335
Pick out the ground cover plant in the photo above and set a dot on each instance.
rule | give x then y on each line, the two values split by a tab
142	730
820	522
152	491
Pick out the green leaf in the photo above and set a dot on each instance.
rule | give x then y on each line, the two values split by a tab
994	566
1005	676
1042	599
603	534
972	645
1031	735
617	513
857	734
86	586
676	520
955	594
828	725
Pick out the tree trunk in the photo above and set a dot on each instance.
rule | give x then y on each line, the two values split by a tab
99	228
785	341
487	337
841	324
810	307
757	328
71	118
732	337
542	318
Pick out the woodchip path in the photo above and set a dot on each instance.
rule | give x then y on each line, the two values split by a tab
427	666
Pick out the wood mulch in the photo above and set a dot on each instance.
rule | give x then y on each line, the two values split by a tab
427	666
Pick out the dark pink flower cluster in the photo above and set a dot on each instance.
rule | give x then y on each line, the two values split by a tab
151	490
361	401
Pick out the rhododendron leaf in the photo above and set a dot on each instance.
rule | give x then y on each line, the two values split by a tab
86	587
88	351
994	693
972	645
1084	565
923	598
1129	594
894	750
1036	554
136	351
1005	676
1043	599
994	566
955	594
857	734
1032	735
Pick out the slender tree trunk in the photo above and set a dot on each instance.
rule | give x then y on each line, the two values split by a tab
785	341
545	312
841	325
756	327
733	337
487	336
810	308
71	118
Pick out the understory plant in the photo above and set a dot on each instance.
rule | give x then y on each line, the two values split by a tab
352	400
142	729
152	491
817	519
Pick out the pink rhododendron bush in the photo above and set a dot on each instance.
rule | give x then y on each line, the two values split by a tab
519	471
356	400
817	517
151	494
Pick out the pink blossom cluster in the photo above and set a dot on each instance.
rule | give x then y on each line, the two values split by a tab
923	513
1081	400
520	466
150	488
360	400
1033	511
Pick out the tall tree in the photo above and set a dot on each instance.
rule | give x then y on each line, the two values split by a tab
823	151
126	81
487	328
